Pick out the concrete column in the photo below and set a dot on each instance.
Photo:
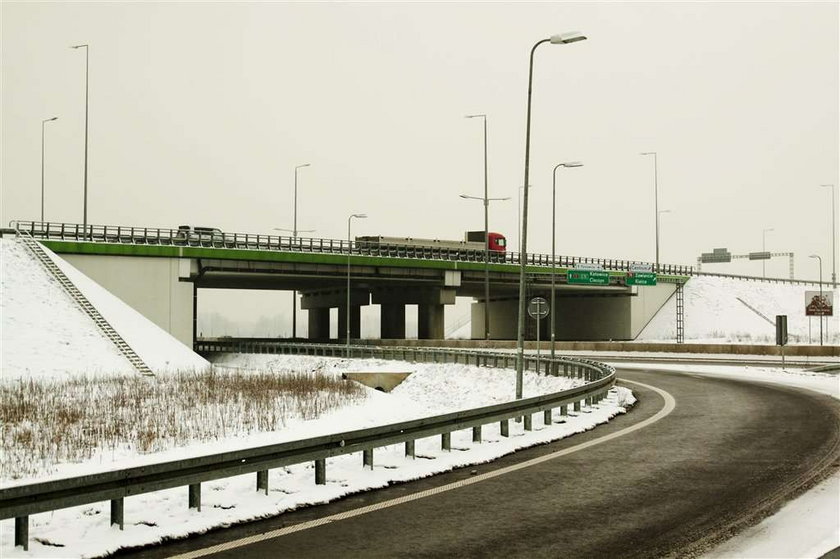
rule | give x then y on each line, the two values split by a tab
392	321
430	322
355	322
319	324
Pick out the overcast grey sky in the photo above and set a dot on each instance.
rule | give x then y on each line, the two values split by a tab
199	113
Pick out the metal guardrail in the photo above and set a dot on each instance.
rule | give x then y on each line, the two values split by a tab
20	501
248	241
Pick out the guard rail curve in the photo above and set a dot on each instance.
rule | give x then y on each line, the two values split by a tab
20	501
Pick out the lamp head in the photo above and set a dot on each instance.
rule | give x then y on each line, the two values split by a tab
51	119
813	256
301	166
648	153
573	164
360	216
475	116
77	46
566	38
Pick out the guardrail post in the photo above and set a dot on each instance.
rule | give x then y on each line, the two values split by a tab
409	449
547	417
367	458
321	471
262	481
577	406
446	441
529	422
195	496
477	434
117	510
564	409
22	532
504	427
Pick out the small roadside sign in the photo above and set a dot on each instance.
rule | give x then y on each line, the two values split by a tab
639	267
538	308
641	278
819	304
587	277
588	266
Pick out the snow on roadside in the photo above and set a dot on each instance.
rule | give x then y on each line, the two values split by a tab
158	349
44	334
713	313
150	518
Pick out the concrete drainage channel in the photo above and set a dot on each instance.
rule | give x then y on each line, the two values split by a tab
19	502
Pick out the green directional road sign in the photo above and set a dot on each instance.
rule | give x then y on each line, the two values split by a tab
641	278
588	277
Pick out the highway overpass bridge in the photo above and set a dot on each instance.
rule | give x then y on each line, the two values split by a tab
160	273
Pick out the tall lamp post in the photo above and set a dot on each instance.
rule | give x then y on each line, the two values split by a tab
561	39
294	235
43	122
764	249
659	218
553	317
833	236
655	200
483	117
486	201
349	247
87	68
821	295
519	214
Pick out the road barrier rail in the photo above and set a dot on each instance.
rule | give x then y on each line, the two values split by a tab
174	237
20	501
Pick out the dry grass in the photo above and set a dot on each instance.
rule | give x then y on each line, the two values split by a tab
44	423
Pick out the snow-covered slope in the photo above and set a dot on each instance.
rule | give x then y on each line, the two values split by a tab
45	334
727	310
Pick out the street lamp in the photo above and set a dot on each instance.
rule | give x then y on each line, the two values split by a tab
553	317
821	295
519	214
483	117
655	200
87	68
833	237
763	249
43	122
294	235
659	217
561	39
349	250
486	201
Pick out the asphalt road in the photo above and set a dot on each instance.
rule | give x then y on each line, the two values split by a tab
729	454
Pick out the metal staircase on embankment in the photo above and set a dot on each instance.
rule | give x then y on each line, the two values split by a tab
104	326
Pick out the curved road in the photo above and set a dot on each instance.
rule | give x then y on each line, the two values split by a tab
730	453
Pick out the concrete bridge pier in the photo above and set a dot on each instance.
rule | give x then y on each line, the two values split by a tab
355	322
319	303
430	303
319	324
392	321
430	322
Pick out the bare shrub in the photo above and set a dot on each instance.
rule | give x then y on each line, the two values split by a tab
44	423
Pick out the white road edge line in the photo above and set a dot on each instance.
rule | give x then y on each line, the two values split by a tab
669	406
